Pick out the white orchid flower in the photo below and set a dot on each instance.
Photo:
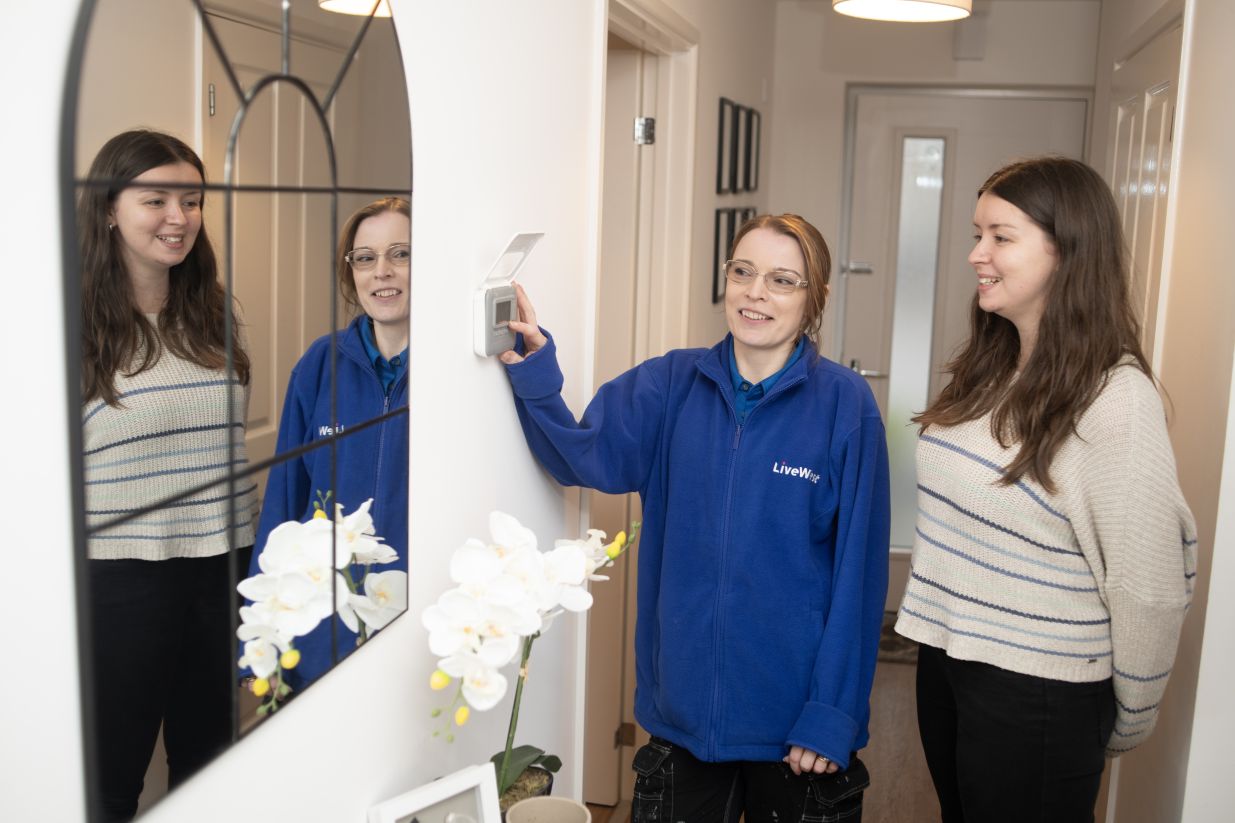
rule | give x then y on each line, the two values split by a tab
260	656
384	598
483	686
454	622
356	539
509	534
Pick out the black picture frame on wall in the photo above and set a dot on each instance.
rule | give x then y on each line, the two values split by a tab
746	214
723	228
754	125
726	147
741	160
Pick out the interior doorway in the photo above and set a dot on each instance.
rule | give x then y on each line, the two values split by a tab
914	160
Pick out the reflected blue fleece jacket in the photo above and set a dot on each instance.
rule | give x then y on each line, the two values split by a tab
371	463
763	561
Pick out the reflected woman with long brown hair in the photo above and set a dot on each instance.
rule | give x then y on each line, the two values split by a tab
162	411
1055	554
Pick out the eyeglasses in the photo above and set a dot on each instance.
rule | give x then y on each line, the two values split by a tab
777	281
399	255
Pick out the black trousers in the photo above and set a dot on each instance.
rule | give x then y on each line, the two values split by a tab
164	655
1004	747
673	786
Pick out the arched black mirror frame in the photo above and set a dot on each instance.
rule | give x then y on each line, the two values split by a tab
69	185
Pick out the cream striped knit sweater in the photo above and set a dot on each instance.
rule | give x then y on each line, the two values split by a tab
1088	583
170	434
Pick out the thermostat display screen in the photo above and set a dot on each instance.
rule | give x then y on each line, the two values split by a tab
502	312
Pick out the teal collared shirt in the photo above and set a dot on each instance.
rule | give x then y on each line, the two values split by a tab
388	371
747	394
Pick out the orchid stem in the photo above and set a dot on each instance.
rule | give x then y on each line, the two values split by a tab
514	710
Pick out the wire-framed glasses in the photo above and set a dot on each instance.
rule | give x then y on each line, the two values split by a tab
777	281
399	255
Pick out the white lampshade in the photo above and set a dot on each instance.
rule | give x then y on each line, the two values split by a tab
355	7
905	11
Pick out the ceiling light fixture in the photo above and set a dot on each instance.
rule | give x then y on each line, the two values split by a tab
355	7
905	11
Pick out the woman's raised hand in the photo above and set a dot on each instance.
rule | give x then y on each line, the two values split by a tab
533	338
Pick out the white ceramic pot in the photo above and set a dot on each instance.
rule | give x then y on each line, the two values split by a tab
548	810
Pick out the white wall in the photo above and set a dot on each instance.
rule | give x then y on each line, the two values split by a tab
506	114
1028	43
40	748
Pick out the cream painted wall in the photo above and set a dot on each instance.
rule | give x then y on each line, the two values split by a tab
736	43
1028	43
506	111
1197	343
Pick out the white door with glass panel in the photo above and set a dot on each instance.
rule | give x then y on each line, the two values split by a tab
915	159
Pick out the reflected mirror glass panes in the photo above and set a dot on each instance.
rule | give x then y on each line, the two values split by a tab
300	409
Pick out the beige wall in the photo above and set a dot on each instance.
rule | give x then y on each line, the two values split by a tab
1196	359
1028	43
736	44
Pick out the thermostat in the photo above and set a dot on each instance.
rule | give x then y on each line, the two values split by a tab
493	305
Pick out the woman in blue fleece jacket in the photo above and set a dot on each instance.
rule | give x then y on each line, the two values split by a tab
762	469
373	265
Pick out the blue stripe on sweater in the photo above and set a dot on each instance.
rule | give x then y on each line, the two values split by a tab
1131	710
941	498
166	433
169	387
111	464
995	467
1005	609
165	472
1085	572
1139	679
1022	647
179	504
166	536
1005	626
1005	572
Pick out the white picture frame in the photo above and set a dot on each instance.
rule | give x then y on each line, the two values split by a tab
466	795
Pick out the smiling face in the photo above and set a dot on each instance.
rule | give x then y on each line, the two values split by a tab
766	325
1014	259
156	221
383	289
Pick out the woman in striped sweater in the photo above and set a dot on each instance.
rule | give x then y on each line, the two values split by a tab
162	419
1055	555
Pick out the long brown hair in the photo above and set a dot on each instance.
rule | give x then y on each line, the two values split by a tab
1087	326
116	336
814	252
343	269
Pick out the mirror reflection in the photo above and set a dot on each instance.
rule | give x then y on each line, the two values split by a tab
243	364
160	401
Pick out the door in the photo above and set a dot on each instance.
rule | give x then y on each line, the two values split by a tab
1143	91
621	314
915	161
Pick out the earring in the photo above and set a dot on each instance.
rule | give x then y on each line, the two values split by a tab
111	226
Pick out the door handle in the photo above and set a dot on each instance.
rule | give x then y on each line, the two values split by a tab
856	365
857	267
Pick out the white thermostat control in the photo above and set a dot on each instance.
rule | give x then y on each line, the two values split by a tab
493	305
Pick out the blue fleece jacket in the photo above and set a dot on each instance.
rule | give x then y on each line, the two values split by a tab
763	560
371	463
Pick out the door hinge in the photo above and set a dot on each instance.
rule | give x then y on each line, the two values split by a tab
645	130
210	98
624	736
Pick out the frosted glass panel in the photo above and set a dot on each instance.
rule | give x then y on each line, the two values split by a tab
917	254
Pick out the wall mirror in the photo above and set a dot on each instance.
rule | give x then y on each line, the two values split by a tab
272	395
